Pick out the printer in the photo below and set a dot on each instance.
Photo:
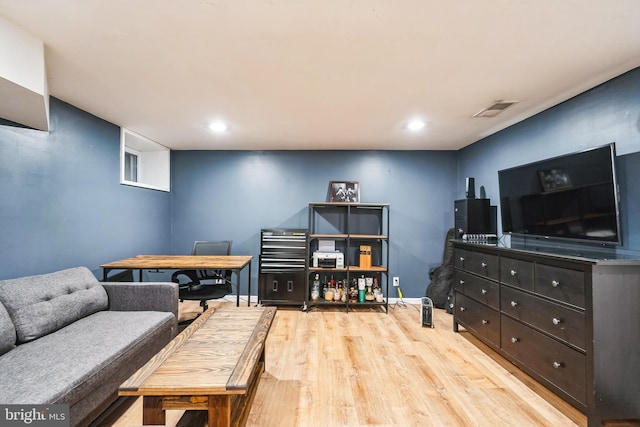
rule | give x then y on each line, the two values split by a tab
328	259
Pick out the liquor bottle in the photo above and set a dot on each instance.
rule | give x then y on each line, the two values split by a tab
377	291
361	289
325	287
337	295
315	289
353	292
330	292
368	296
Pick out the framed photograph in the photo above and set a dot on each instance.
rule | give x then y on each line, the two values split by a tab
344	191
554	179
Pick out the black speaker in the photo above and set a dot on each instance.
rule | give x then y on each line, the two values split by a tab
493	219
472	216
470	188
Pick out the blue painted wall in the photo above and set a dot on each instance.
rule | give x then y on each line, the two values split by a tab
234	194
607	113
61	204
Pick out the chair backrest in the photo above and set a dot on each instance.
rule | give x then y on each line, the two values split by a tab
211	247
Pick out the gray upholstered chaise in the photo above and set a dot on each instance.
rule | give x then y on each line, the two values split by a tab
67	338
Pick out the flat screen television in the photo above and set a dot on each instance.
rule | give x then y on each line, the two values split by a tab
569	197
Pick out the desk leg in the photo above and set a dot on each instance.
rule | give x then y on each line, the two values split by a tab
238	282
219	411
152	412
237	288
249	286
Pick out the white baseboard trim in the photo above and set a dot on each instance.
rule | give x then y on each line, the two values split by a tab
412	301
254	299
243	298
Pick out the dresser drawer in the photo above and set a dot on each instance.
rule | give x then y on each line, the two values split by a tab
482	264
478	288
482	320
562	322
560	284
560	365
460	279
516	272
462	258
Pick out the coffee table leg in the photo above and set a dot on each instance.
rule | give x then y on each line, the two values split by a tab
152	412
219	411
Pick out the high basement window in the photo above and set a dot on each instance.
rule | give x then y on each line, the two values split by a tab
143	162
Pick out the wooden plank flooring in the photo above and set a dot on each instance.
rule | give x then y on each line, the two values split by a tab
368	368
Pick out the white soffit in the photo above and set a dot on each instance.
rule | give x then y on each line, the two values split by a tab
24	97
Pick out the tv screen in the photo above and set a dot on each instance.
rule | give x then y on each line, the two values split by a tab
573	196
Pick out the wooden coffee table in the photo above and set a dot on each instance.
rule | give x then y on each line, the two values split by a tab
214	365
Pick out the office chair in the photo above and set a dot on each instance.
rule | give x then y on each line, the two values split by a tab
204	285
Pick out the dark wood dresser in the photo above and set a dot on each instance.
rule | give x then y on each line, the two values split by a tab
571	322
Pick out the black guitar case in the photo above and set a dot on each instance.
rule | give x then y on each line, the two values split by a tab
440	289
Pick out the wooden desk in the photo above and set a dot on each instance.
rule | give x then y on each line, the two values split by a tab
214	365
235	263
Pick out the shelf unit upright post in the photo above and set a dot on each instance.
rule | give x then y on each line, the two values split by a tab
349	225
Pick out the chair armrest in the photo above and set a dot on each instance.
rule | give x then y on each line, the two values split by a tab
142	296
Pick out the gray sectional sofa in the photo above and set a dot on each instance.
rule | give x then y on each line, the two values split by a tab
67	338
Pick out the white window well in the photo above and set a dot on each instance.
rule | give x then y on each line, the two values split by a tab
143	162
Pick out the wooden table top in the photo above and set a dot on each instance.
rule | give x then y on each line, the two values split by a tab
214	355
179	262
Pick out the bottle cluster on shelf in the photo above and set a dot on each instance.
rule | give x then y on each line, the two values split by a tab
356	290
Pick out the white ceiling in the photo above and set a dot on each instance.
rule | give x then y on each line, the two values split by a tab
325	74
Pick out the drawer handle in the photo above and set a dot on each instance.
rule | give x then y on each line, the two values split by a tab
463	308
483	264
513	272
556	321
462	259
514	340
485	322
557	365
461	282
514	304
484	291
555	283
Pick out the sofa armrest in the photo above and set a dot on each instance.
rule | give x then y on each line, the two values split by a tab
142	296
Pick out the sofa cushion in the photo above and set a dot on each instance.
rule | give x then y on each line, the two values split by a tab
72	364
39	305
7	331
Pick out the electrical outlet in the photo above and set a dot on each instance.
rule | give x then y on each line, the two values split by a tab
396	281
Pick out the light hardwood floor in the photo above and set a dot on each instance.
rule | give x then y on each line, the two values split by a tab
368	368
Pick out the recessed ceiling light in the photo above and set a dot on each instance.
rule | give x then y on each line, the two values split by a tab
218	126
415	125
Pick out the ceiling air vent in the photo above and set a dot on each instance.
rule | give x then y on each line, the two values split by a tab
494	109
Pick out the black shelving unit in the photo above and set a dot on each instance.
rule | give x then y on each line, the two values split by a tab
348	226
